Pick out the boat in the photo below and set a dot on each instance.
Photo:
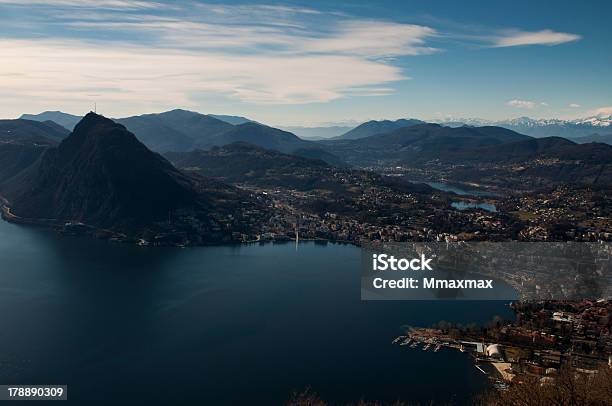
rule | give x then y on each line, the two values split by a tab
406	341
426	347
462	348
438	347
414	344
398	339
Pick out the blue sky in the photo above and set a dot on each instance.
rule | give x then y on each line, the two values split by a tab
307	63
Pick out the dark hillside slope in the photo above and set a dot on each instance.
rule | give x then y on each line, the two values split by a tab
103	176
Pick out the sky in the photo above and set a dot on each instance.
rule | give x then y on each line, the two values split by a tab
308	63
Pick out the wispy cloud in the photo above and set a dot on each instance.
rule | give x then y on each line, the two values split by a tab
544	37
368	39
373	39
167	53
262	54
97	4
522	104
57	70
574	105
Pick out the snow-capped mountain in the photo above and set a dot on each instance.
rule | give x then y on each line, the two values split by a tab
597	121
543	127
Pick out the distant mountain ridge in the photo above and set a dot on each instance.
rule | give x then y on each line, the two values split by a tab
571	129
543	127
68	121
175	130
545	147
606	139
181	131
22	142
317	133
537	162
377	127
486	155
21	129
418	143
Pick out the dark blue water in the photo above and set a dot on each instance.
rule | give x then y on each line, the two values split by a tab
213	326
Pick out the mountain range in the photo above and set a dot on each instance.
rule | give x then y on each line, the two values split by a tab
102	175
68	121
371	144
176	130
572	129
182	131
534	163
485	155
589	129
160	132
374	127
418	143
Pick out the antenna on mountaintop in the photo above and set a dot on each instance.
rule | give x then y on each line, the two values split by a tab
95	107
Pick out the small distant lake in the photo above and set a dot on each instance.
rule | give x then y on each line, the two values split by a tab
469	205
225	325
460	191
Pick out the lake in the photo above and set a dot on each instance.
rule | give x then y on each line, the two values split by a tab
445	187
472	205
121	324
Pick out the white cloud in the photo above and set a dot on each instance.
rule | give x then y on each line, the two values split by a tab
105	4
574	105
522	104
544	37
131	75
602	111
373	39
135	53
262	54
368	39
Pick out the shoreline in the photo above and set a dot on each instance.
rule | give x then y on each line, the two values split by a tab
81	229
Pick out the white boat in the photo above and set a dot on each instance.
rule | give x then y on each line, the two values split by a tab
406	341
398	339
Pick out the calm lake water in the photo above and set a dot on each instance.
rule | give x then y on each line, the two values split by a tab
445	187
214	326
468	205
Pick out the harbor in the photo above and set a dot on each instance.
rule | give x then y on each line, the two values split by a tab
546	338
488	357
